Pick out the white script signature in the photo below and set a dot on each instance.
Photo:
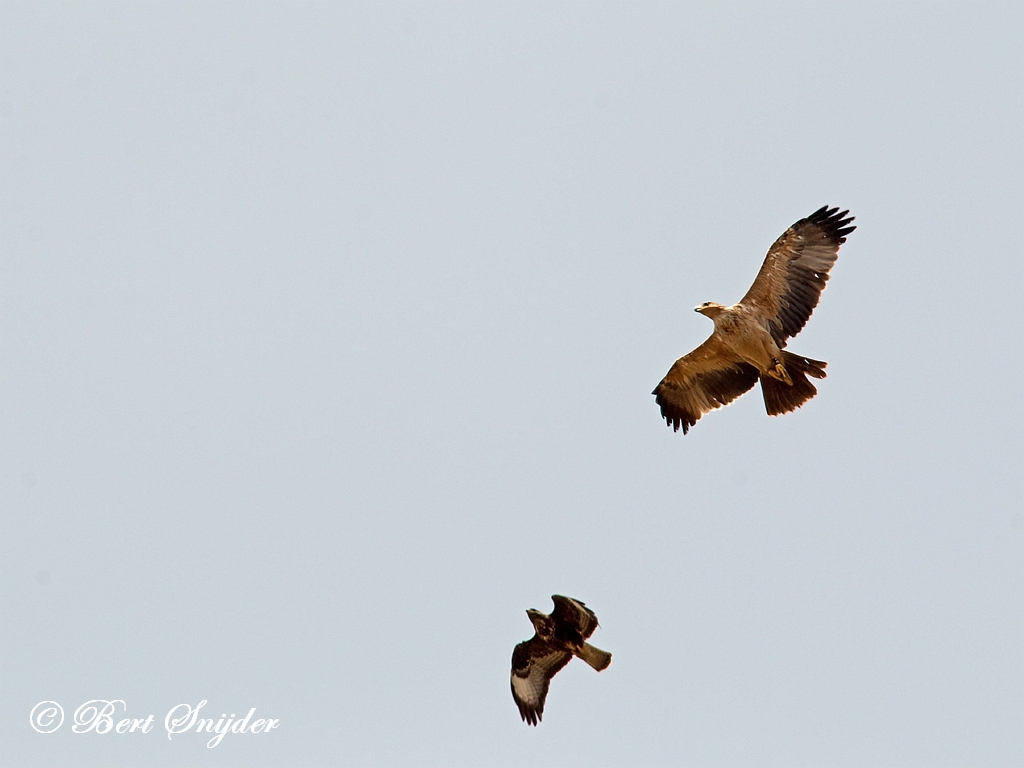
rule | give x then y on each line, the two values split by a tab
98	716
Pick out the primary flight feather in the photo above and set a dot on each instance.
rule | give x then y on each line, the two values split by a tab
749	339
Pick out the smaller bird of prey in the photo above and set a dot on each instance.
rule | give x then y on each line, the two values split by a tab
749	339
558	638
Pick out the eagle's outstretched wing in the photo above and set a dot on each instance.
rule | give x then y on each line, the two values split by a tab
534	663
795	271
708	378
575	613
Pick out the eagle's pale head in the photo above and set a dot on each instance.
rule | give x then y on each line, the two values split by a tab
709	309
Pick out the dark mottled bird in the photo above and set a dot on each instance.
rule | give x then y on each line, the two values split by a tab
749	338
558	638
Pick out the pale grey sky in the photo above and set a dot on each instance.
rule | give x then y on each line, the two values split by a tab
327	336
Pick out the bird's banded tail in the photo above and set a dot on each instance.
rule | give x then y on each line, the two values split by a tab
780	397
595	657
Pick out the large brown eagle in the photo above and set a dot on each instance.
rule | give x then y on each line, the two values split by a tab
558	638
749	338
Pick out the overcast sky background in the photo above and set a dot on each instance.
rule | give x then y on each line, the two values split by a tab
327	337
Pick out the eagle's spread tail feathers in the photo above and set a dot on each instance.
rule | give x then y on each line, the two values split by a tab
595	657
781	398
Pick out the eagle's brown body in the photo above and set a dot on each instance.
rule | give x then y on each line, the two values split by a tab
748	343
744	333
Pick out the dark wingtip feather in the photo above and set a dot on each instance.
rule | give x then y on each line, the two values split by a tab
676	418
833	222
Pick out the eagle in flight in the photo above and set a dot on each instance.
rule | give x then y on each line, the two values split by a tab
559	636
749	339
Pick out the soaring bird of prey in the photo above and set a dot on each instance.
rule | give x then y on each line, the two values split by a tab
558	638
749	339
